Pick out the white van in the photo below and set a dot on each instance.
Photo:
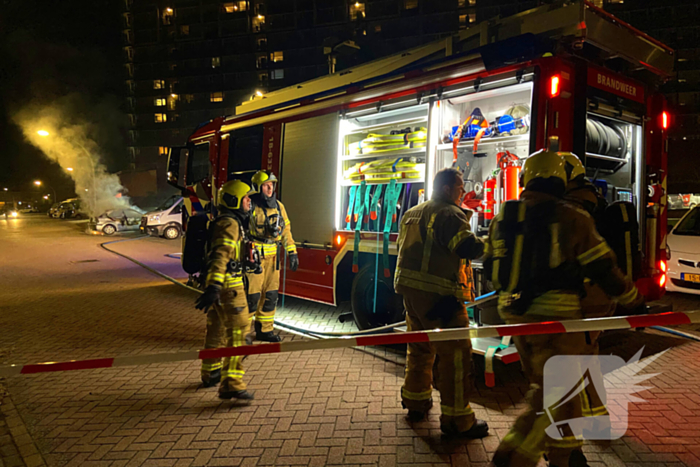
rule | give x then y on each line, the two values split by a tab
165	221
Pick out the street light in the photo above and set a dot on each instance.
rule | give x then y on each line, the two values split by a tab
43	133
39	183
69	169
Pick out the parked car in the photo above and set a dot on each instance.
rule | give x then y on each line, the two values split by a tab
166	220
71	209
116	220
675	202
8	213
683	254
690	200
52	212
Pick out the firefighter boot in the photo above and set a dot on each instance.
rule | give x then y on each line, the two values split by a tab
268	336
479	429
576	459
211	379
240	395
415	416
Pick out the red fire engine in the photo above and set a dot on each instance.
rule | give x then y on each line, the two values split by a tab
356	149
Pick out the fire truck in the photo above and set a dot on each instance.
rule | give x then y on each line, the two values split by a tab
356	149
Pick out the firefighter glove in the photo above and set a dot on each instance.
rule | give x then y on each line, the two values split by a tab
294	262
208	298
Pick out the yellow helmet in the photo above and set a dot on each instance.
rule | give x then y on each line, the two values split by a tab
544	164
232	193
573	165
262	176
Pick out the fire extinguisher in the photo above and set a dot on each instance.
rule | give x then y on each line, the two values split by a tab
510	175
489	198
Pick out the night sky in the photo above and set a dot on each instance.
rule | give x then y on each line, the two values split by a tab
51	49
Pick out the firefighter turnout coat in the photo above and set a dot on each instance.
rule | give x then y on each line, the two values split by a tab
228	321
271	230
433	274
538	252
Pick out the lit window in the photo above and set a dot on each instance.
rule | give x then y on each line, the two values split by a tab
216	97
263	77
172	102
234	7
168	14
277	56
159	102
277	74
261	61
262	42
215	62
161	118
472	2
173	85
472	17
162	150
462	21
158	84
185	30
410	4
378	28
189	98
258	22
357	11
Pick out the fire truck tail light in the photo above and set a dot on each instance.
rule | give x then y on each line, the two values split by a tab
662	277
338	240
665	120
554	87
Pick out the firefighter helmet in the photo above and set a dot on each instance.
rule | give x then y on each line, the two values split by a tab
232	193
544	164
574	167
262	176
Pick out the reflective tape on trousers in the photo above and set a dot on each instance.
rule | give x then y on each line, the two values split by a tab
436	335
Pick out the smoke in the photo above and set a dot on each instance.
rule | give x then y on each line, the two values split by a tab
62	131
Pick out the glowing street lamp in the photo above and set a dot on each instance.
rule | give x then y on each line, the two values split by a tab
43	133
37	182
69	169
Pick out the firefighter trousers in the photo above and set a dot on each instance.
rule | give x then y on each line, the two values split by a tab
263	292
595	304
227	325
454	363
527	440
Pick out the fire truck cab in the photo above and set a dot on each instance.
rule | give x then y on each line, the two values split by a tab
354	150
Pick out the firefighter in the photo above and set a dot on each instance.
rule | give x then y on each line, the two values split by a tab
224	299
538	251
434	276
594	303
271	230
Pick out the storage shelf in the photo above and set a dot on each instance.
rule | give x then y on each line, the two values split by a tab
398	180
469	143
398	123
388	154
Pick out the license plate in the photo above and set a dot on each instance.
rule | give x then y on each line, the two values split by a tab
690	277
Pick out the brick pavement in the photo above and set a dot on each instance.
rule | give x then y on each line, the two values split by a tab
312	408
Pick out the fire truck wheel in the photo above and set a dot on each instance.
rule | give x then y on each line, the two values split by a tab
171	232
389	307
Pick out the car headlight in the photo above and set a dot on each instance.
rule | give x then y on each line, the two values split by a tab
13	214
668	253
154	218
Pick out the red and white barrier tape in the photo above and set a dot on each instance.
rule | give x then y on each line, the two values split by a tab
437	335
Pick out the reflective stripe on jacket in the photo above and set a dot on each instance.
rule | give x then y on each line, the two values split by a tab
430	234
